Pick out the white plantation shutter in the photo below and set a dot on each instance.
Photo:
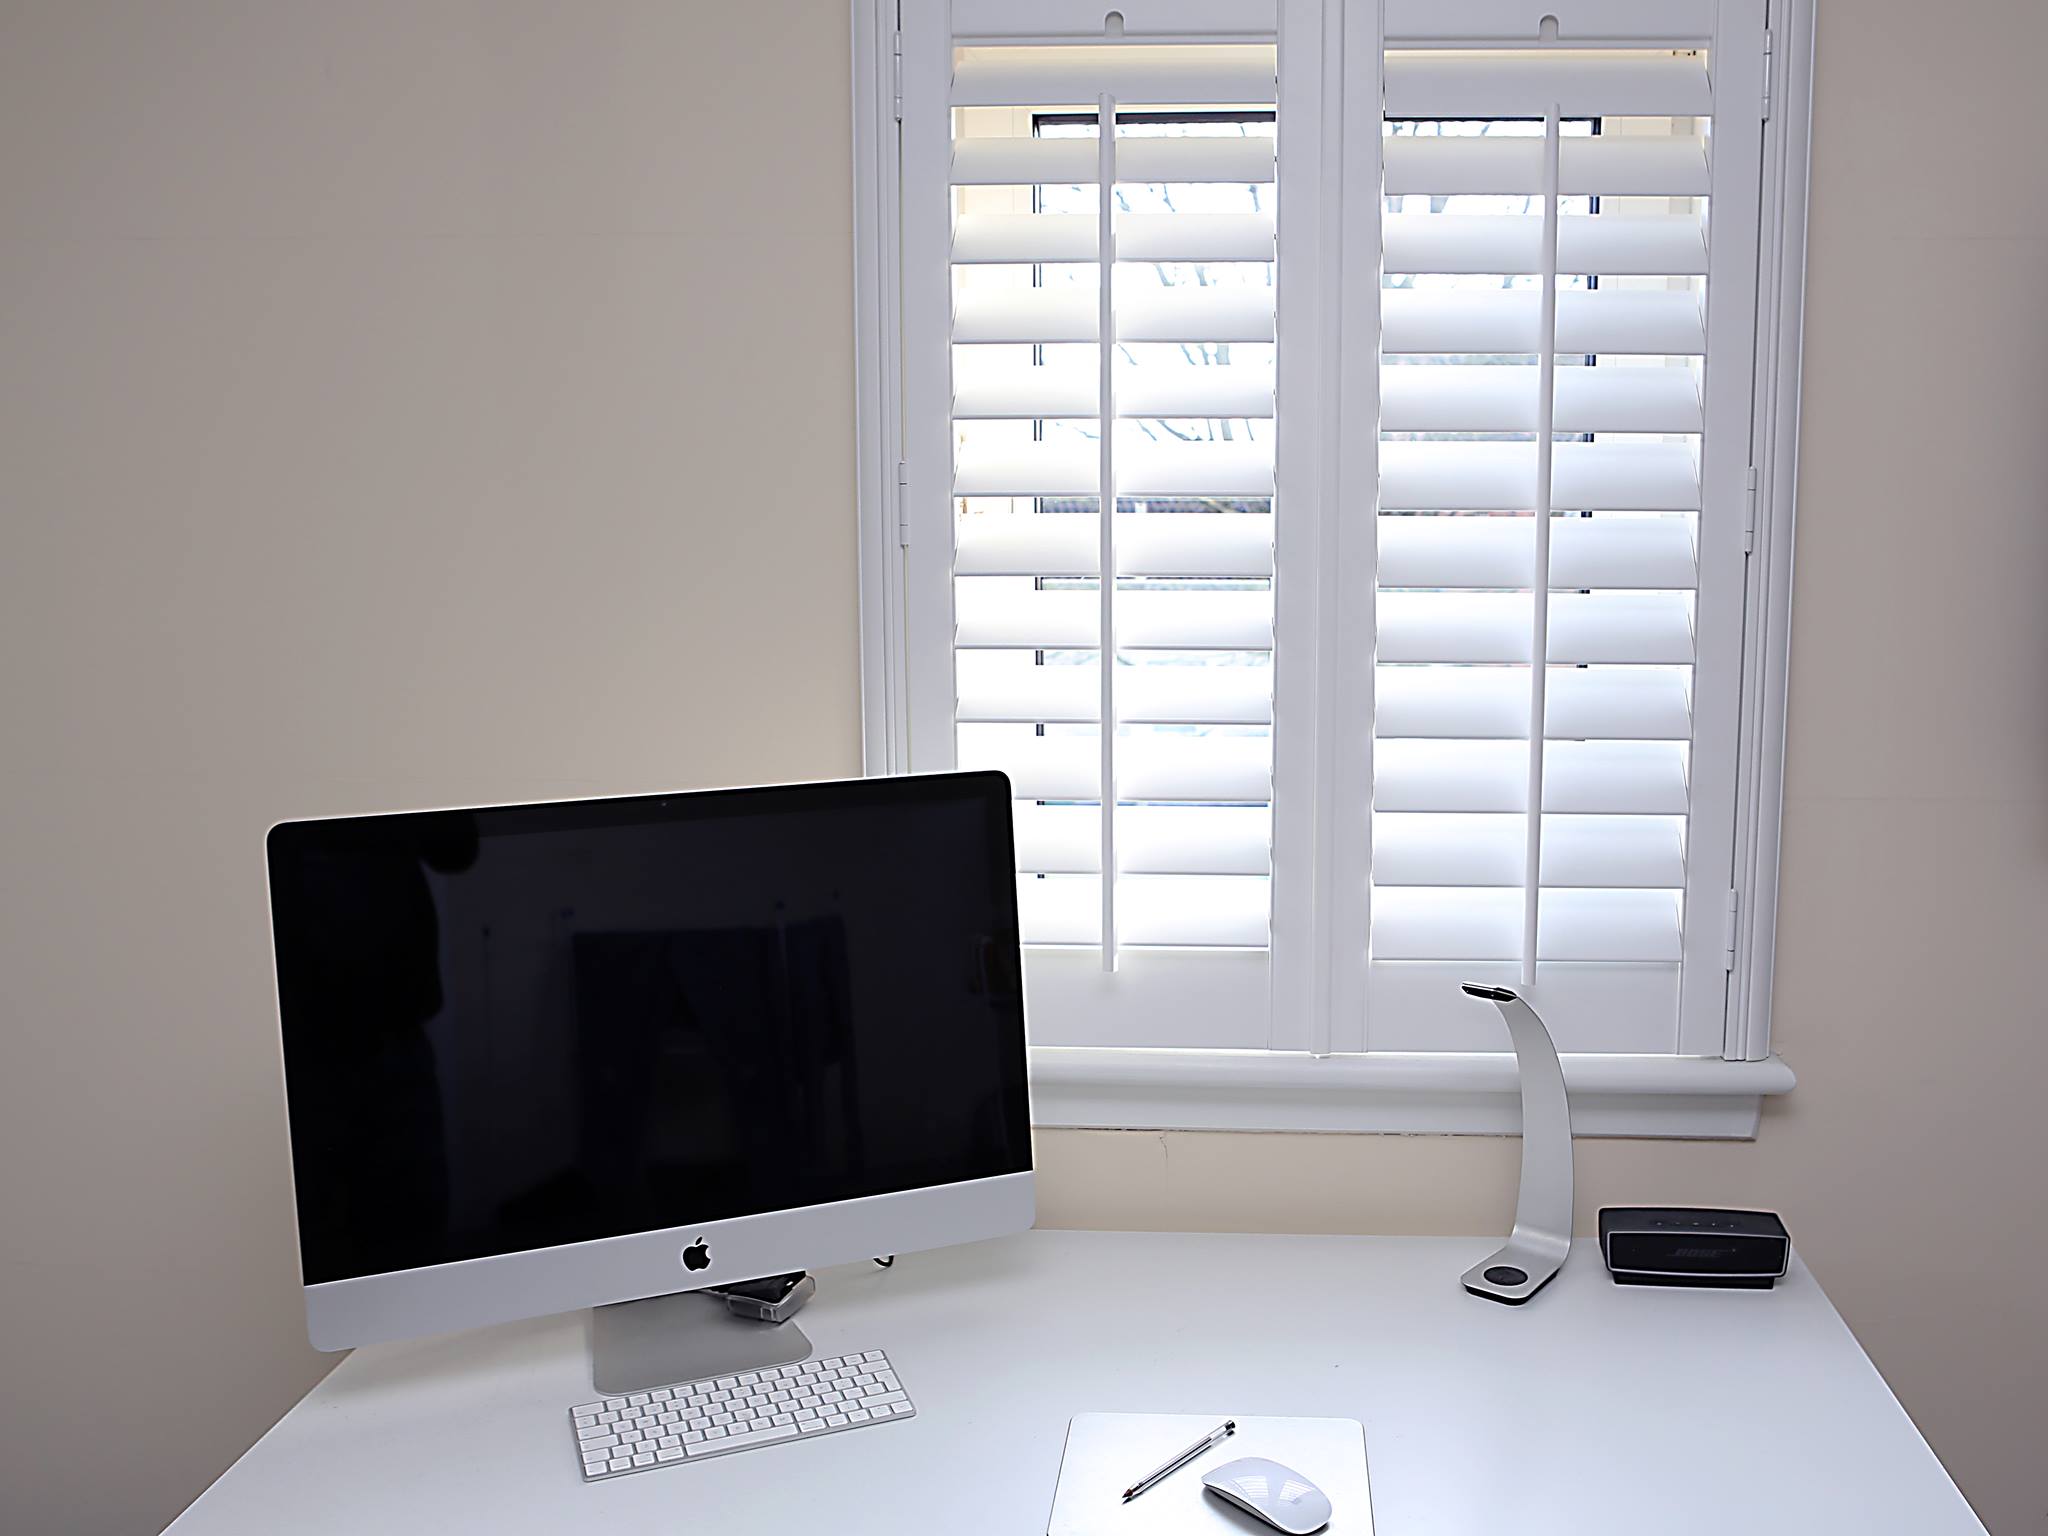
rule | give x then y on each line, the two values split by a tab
1110	278
1266	483
1623	180
1175	795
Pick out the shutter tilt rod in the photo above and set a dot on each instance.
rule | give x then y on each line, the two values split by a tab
1539	585
1105	506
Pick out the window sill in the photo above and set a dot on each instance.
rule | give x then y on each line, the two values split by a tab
1409	1093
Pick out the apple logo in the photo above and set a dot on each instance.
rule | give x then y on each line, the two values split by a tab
697	1256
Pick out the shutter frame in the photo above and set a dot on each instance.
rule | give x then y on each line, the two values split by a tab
1393	402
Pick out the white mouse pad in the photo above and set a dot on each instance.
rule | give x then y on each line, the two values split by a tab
1108	1452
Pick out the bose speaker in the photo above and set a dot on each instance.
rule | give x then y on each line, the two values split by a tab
1678	1245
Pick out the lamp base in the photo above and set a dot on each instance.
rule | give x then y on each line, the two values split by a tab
1515	1273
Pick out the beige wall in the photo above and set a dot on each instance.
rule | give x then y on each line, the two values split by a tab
410	403
399	404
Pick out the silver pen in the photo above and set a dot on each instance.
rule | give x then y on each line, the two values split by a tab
1226	1428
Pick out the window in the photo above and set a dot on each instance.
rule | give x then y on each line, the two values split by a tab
1213	444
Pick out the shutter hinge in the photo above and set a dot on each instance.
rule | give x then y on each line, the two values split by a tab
1767	75
896	76
1730	926
902	504
1749	513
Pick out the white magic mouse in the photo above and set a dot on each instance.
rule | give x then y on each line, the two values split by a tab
1278	1495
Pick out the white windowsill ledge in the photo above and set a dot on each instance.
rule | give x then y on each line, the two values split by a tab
1413	1093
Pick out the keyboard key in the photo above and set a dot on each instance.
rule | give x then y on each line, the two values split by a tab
602	1443
836	1420
753	1437
621	1463
886	1397
873	1354
858	1416
669	1453
643	1458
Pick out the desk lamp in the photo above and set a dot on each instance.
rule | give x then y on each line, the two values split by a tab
1542	1236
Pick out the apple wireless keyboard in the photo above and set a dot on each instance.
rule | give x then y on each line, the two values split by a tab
722	1414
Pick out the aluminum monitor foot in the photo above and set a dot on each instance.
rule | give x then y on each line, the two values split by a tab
638	1345
1542	1237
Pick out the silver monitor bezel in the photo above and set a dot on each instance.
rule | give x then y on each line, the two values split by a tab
499	1288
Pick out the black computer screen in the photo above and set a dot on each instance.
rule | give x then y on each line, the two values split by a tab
513	1028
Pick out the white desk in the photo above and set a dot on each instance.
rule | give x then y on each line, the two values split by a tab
1595	1408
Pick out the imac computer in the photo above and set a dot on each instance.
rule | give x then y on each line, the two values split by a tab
544	1057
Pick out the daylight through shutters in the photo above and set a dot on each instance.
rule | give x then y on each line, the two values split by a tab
1324	496
1112	344
1545	237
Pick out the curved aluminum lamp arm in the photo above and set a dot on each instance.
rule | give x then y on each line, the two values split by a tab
1536	1249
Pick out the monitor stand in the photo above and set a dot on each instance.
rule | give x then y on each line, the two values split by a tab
639	1345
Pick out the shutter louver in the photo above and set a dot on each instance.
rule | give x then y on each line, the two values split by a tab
1516	431
1113	265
